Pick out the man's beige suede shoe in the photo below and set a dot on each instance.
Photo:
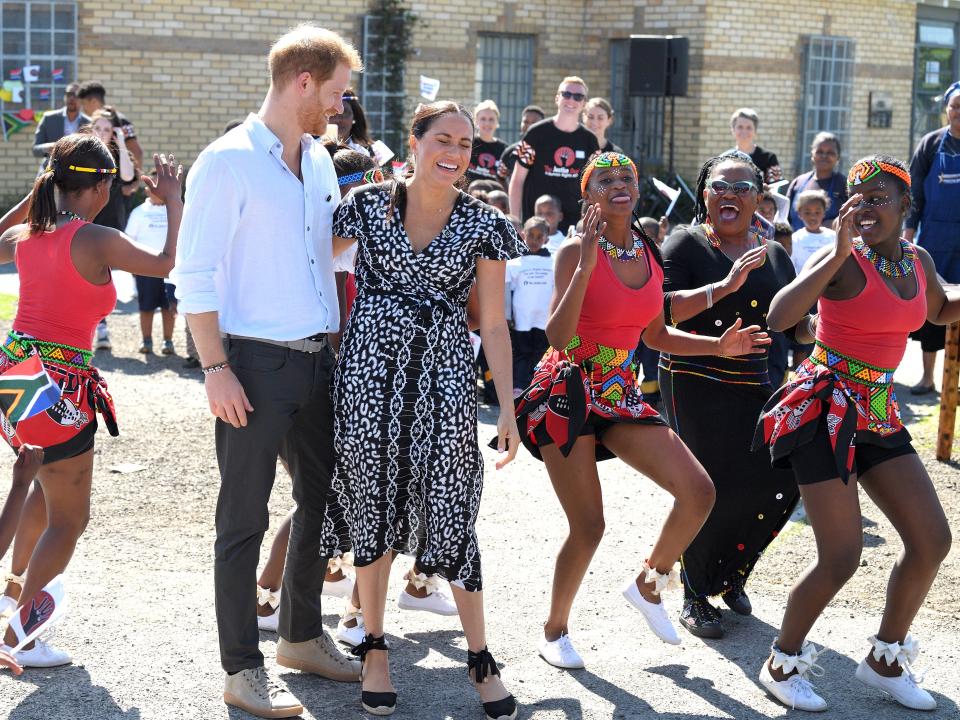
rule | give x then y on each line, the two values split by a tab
319	656
252	690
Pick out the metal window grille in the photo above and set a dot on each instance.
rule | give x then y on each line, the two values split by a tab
504	74
935	68
42	34
637	121
379	93
827	91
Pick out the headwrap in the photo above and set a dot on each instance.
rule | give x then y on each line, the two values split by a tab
950	92
368	178
869	169
603	160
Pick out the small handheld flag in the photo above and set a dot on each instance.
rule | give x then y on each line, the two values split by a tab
58	73
41	613
26	390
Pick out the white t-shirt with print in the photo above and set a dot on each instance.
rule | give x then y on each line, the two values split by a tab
806	243
530	283
147	225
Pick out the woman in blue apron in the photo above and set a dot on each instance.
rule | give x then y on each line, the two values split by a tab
935	218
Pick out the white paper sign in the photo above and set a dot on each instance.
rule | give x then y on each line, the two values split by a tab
381	152
429	88
31	73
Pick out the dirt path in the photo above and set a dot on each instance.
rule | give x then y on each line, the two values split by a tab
142	633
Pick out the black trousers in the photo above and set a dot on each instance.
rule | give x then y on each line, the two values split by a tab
293	416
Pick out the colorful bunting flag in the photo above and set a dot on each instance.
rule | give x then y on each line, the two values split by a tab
16	73
31	73
58	74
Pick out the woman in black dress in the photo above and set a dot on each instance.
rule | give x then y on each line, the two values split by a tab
715	272
409	473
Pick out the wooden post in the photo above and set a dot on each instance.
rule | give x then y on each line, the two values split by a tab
948	394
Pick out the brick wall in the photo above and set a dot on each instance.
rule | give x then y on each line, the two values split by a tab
180	70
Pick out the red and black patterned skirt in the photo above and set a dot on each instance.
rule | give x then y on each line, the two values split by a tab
853	399
581	390
67	429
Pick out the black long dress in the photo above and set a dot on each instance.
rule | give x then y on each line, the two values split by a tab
713	404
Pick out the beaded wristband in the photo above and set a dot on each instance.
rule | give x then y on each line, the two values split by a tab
218	367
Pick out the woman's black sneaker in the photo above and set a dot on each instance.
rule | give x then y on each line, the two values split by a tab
701	618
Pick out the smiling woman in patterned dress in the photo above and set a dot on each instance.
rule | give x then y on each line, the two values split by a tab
409	471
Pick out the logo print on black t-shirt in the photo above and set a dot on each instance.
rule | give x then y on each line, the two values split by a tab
486	160
564	156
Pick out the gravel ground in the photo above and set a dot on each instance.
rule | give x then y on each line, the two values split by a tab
142	633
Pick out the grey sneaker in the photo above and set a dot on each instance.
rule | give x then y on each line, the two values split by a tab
319	656
167	347
253	690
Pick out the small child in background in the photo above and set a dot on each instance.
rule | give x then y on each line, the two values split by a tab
500	200
767	209
529	282
148	226
783	234
656	230
549	208
812	206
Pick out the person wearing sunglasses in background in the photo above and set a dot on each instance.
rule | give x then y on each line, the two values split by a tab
717	271
551	155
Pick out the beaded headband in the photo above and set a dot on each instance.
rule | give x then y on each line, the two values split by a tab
368	178
603	160
869	169
78	168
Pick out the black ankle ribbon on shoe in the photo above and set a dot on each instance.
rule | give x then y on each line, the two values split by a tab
369	643
481	664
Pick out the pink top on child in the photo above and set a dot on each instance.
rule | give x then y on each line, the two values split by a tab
57	304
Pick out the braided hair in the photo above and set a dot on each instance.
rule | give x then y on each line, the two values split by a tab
741	158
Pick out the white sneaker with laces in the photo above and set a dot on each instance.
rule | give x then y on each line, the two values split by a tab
351	636
7	606
265	596
796	691
41	655
253	690
654	613
905	688
561	653
437	600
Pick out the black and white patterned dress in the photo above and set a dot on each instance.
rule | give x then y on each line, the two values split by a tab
409	473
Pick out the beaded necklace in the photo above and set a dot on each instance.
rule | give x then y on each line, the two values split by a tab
72	215
885	266
634	254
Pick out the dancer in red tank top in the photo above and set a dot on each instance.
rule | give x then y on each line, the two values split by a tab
838	422
66	288
584	404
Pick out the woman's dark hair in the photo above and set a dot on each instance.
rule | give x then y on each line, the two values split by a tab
80	150
360	131
423	119
700	206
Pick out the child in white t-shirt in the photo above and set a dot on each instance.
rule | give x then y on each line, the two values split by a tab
549	208
812	206
529	282
148	226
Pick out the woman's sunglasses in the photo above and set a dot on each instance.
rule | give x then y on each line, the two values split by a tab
741	187
567	95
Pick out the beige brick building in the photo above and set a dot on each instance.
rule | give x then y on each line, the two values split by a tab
181	69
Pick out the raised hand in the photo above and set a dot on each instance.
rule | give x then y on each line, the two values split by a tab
742	266
737	340
167	183
593	229
843	245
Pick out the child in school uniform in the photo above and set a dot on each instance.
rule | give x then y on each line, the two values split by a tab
550	209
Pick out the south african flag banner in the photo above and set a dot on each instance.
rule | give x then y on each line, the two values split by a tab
26	389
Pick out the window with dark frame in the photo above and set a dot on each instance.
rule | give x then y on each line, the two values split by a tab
38	48
827	92
380	95
504	74
935	67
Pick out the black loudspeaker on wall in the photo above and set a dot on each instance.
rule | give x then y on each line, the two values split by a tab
659	65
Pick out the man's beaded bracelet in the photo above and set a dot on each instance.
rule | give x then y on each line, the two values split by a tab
211	369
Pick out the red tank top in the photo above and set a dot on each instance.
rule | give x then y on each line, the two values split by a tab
614	314
873	326
57	304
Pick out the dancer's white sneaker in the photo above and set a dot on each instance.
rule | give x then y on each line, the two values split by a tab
905	688
796	691
655	613
561	653
351	636
342	588
41	655
437	600
271	598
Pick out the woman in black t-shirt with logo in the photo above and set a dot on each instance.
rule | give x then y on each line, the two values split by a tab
487	149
